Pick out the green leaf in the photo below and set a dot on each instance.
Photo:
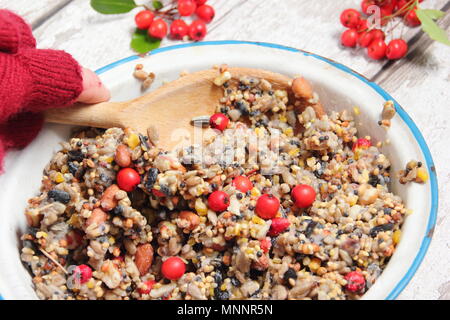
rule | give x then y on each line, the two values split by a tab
427	17
113	6
157	5
142	43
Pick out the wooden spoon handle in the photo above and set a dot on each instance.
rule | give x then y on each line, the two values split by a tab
100	115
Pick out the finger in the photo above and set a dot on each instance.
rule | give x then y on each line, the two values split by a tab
93	89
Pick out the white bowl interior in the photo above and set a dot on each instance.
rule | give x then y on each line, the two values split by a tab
337	89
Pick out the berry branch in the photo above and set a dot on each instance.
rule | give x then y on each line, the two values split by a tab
373	36
158	20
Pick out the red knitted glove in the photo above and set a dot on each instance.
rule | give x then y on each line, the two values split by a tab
32	80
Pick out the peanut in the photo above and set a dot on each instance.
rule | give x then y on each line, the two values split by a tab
302	88
98	216
108	200
122	156
189	220
144	258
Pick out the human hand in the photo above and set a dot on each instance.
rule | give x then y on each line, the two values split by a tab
93	89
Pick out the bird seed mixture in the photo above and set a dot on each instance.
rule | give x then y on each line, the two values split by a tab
313	218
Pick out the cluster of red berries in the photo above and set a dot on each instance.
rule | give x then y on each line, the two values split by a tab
360	33
156	21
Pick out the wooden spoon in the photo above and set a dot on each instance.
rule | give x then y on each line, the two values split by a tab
169	109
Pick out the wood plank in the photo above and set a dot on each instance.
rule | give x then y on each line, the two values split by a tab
34	12
311	25
308	24
77	27
394	73
420	83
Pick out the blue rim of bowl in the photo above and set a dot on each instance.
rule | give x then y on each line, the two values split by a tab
400	111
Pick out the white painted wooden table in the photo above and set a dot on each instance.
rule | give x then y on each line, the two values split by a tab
420	82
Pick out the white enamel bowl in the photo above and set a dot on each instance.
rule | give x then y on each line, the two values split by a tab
338	86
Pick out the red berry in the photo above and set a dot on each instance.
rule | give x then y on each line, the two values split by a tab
218	121
128	179
378	34
267	206
148	287
278	226
350	18
362	26
365	38
218	201
178	29
396	49
365	4
387	7
355	281
173	268
205	12
377	49
200	2
158	29
242	183
411	18
158	193
303	195
361	143
186	7
144	19
265	244
197	30
82	273
349	38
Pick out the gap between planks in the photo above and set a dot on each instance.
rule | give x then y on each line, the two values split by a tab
48	14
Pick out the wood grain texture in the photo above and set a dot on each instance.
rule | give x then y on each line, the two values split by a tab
420	83
35	12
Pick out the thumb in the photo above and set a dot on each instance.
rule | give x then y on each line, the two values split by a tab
93	89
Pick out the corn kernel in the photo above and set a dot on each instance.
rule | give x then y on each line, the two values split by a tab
314	264
422	174
289	132
109	159
223	287
294	152
59	177
202	219
41	234
74	221
255	192
200	207
283	118
356	111
396	237
258	220
133	141
353	200
90	284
